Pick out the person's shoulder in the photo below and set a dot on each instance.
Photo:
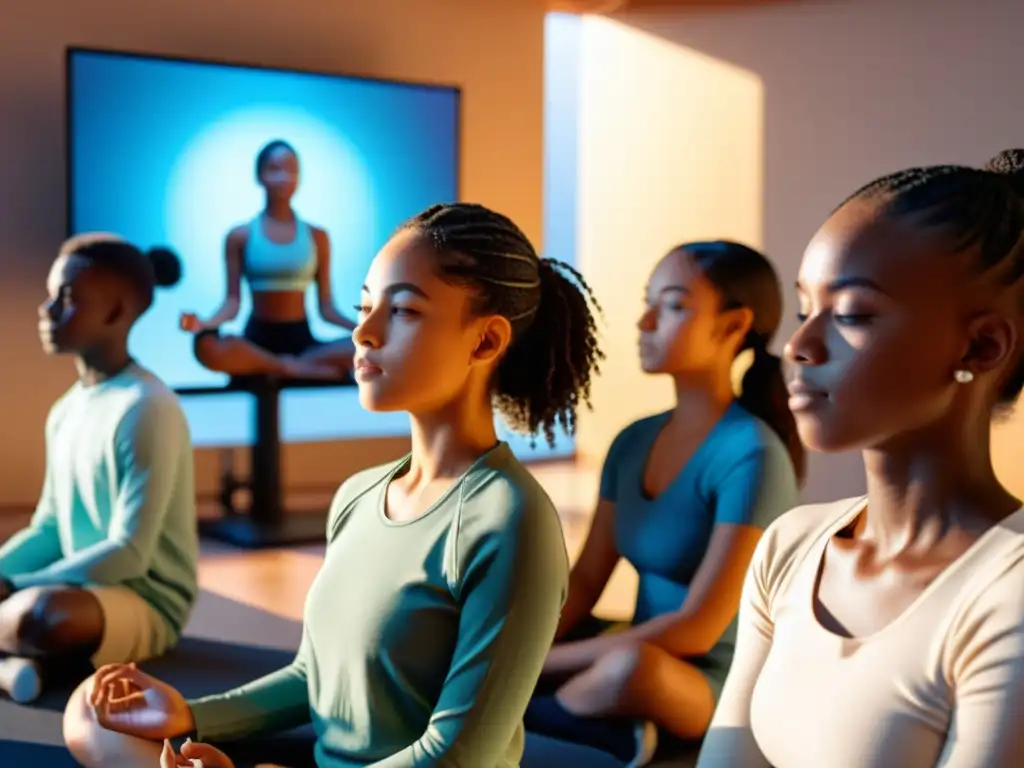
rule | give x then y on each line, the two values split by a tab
500	499
60	407
992	593
743	433
787	540
355	490
808	521
744	440
360	482
640	431
501	504
645	424
143	400
238	235
985	639
499	491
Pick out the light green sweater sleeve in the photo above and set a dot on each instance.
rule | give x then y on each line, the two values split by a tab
38	545
146	448
275	702
512	590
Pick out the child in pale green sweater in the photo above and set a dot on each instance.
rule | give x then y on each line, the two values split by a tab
106	571
427	626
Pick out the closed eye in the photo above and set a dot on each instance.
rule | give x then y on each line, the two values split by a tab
853	320
849	319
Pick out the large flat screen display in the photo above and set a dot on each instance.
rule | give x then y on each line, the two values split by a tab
163	151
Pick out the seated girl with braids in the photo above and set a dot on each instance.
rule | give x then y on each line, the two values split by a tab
888	630
458	552
106	571
684	498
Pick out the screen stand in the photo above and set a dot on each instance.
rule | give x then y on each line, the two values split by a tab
266	523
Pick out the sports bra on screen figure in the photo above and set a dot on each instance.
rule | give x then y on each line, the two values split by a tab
270	266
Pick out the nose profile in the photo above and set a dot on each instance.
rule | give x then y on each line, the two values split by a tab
365	334
806	346
646	321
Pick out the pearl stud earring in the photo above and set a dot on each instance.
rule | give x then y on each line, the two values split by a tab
963	376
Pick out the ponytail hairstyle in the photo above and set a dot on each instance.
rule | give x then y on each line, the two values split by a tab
143	271
546	373
981	210
745	278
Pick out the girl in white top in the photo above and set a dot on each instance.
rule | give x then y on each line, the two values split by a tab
888	631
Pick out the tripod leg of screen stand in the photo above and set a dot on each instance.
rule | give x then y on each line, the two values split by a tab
267	524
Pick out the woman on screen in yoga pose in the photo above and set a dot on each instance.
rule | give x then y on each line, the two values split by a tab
888	630
685	496
280	256
457	551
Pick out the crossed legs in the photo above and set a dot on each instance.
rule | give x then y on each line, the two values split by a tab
645	682
57	629
606	705
237	356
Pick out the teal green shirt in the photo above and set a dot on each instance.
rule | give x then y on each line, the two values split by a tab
422	640
118	503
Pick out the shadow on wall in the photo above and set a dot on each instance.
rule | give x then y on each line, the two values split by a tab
854	89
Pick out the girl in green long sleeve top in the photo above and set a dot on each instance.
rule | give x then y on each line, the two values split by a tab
427	626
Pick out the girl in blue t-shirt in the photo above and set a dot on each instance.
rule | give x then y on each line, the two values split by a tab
684	498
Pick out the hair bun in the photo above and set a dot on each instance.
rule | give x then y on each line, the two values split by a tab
1009	163
166	266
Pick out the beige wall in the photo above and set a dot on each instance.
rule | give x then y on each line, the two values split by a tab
852	89
494	50
654	170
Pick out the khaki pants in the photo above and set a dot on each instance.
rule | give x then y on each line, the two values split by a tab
132	629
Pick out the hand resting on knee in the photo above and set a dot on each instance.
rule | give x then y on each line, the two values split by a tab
120	715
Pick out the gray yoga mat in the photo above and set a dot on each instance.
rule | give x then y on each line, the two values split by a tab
226	644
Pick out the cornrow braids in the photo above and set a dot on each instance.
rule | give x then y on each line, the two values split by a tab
981	209
547	371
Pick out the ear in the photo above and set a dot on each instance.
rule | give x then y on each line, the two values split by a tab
495	335
992	339
119	310
735	323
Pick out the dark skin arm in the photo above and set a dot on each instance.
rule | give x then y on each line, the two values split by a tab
325	297
711	604
593	569
234	250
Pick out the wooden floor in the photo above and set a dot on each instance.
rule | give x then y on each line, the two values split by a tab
277	580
